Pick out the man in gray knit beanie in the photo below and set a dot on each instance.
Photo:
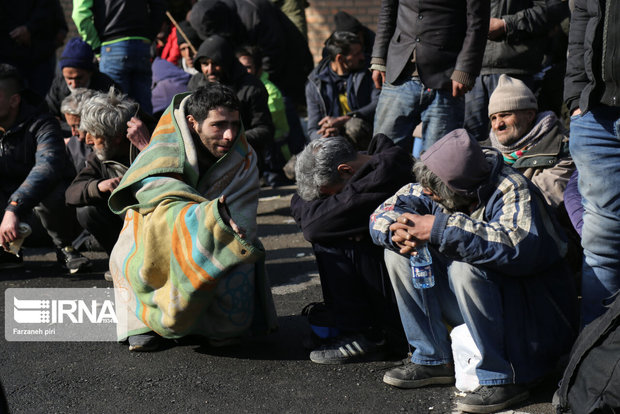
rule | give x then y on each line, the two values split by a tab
536	144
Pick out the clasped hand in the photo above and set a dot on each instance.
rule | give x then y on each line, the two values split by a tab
411	230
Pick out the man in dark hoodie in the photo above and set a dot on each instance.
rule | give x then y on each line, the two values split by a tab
217	63
338	188
286	56
35	171
498	263
340	88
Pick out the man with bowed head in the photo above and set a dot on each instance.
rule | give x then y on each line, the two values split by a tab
498	261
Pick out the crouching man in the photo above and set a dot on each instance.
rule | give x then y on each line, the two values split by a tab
339	188
498	264
182	265
104	118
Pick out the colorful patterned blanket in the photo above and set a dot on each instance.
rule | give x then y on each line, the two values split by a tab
178	268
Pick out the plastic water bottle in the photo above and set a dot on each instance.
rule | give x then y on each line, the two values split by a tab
421	269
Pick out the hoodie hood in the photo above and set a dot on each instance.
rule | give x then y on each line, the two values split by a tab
217	49
209	17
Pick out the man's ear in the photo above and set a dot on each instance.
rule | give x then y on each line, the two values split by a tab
192	122
345	169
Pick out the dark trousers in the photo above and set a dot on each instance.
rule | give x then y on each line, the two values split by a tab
57	219
356	287
104	225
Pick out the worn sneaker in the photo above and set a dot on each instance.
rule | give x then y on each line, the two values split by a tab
146	342
348	349
412	375
72	260
9	260
489	399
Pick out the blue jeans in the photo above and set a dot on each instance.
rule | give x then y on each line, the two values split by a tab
402	107
521	325
477	103
128	63
595	147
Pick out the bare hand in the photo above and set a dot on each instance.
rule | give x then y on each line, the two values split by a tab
576	112
378	77
138	133
21	35
225	214
8	228
459	89
109	185
410	230
497	29
401	237
330	126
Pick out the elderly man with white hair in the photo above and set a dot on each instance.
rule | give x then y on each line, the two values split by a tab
104	118
338	188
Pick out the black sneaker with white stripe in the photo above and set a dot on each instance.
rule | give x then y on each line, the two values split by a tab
345	349
72	260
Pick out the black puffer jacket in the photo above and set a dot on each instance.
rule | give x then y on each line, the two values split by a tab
250	91
593	67
33	159
521	50
39	16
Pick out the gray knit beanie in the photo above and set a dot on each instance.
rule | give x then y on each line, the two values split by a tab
511	95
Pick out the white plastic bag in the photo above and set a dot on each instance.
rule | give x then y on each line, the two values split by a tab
466	357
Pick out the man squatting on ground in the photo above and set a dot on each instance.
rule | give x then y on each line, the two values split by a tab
181	264
34	171
499	268
338	188
104	118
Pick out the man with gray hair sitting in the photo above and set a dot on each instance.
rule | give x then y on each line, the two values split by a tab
498	263
104	118
338	188
71	108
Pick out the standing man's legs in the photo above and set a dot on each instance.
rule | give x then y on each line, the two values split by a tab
595	147
443	113
398	111
128	63
401	107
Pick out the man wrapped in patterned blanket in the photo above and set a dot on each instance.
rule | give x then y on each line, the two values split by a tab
188	260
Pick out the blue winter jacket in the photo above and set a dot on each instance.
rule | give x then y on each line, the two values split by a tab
321	96
513	236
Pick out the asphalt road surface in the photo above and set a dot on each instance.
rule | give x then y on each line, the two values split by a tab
270	374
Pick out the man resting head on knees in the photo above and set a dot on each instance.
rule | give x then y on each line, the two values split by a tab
498	261
338	188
